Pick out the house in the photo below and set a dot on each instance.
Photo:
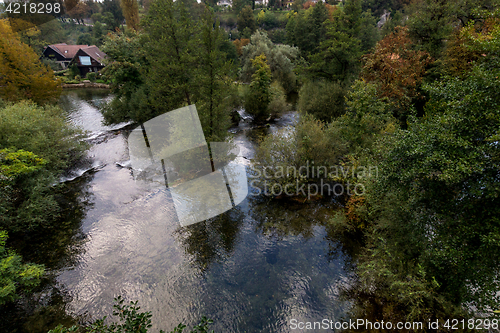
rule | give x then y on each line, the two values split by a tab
62	53
89	59
224	3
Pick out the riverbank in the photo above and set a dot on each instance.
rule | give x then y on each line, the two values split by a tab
86	85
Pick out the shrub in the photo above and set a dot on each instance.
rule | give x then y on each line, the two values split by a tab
231	22
278	102
277	36
14	275
287	152
269	20
323	99
52	63
91	76
44	132
74	71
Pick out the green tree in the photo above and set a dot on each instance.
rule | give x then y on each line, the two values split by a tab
173	42
44	132
368	32
297	5
238	5
98	33
322	99
433	212
127	71
15	275
357	135
280	58
278	103
215	77
259	96
378	6
84	39
246	20
339	55
97	17
430	24
175	62
113	15
307	29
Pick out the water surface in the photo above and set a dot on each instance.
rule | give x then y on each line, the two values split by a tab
251	269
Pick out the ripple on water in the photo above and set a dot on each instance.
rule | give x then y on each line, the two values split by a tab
251	269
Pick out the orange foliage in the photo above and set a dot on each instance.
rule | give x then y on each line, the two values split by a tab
239	43
396	67
331	9
459	57
22	75
308	4
353	204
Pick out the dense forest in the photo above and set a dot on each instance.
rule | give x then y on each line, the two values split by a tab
407	87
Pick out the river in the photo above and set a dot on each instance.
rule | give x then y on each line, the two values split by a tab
251	269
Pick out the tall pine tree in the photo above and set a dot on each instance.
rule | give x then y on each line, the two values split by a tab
214	76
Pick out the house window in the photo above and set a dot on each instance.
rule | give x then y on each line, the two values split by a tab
85	61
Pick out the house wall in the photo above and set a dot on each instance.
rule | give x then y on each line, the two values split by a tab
84	69
49	53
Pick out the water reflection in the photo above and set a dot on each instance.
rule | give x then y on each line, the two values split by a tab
211	241
251	269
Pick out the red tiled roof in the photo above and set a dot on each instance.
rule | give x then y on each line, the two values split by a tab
94	52
67	51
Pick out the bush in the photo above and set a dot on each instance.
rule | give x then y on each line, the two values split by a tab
52	63
269	21
14	275
91	76
84	39
278	102
231	22
286	153
323	99
42	131
277	36
73	71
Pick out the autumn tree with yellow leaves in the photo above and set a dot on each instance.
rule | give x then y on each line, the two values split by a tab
130	10
22	75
